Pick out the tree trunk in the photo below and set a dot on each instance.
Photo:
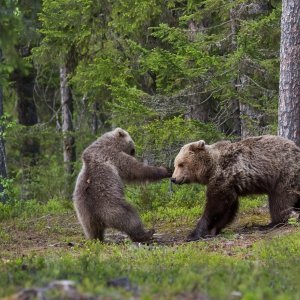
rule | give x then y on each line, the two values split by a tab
95	118
3	169
199	104
235	103
67	123
289	86
27	113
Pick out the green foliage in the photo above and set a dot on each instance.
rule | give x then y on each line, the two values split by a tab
10	27
66	24
31	208
8	186
41	177
162	195
161	140
148	65
132	17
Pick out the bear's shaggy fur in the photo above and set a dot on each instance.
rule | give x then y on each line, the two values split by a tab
257	165
99	197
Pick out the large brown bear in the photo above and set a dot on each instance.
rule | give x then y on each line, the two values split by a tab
257	165
99	196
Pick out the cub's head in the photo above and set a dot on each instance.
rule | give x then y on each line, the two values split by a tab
193	164
123	142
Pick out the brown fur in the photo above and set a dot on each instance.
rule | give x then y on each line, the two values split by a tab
99	197
257	165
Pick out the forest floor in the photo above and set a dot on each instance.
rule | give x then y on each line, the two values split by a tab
241	263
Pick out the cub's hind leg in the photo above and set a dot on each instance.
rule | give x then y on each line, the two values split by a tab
97	233
126	219
92	225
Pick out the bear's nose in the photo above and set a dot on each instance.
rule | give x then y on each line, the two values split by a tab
173	180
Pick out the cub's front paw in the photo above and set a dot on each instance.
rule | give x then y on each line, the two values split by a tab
145	237
150	233
166	172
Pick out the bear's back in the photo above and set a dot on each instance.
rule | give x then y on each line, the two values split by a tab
260	159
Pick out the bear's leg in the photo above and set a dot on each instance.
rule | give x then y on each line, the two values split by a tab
97	233
227	218
220	209
297	205
94	231
281	205
126	219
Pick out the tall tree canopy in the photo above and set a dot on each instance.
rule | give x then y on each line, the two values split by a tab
167	71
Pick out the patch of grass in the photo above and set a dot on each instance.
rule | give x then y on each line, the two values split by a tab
271	272
37	247
4	236
252	202
32	208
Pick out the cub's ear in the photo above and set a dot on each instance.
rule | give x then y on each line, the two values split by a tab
120	132
200	145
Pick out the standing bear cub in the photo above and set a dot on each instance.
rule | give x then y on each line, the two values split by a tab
257	165
99	193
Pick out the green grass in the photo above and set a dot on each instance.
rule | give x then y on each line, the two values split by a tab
268	271
34	251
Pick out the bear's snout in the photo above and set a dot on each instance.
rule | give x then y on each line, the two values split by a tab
178	180
173	180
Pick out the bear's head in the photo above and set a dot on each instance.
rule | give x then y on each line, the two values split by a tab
109	145
193	163
122	141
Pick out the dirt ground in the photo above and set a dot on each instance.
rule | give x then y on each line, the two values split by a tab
63	231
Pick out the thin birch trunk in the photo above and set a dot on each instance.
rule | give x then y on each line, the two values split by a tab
67	122
3	168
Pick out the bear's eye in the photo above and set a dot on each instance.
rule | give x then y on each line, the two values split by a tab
180	165
132	152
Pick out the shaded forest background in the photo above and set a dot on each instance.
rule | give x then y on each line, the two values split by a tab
169	72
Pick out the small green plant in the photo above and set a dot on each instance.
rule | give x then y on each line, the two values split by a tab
9	189
294	220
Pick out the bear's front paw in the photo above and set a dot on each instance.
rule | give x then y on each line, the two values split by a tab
271	225
197	235
150	232
193	236
165	172
145	237
169	172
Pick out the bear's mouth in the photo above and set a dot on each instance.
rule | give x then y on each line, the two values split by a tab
182	181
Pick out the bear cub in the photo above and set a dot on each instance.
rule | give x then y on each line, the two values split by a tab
99	192
257	165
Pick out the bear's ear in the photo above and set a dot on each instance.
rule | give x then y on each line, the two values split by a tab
197	146
120	132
